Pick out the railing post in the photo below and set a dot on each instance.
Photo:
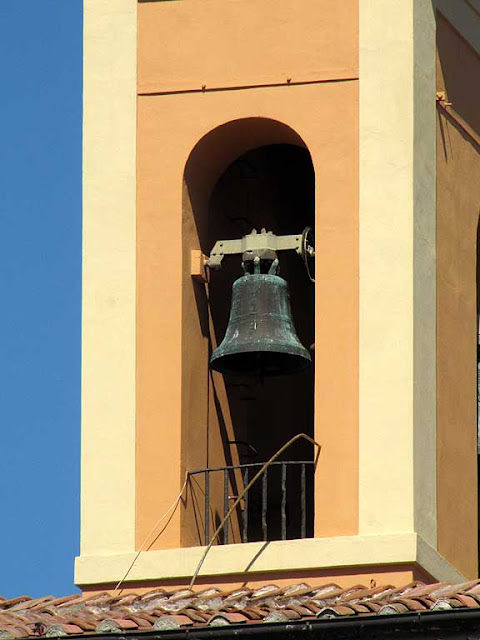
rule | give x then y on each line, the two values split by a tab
245	507
264	504
284	501
207	507
243	526
304	501
225	505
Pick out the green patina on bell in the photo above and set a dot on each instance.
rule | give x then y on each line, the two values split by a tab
260	337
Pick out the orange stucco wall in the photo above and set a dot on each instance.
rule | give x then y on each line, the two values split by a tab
226	43
458	207
264	44
397	575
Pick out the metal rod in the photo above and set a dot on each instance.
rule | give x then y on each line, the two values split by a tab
246	474
264	504
263	470
303	502
225	505
245	508
207	507
284	501
250	465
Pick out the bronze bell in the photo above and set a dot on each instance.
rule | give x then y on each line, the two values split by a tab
260	336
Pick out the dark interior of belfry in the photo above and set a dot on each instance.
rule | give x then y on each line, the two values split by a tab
269	187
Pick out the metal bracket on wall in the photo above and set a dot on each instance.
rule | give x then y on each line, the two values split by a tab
442	99
263	244
198	265
253	248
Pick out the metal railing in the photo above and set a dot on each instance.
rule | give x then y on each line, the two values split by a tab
276	480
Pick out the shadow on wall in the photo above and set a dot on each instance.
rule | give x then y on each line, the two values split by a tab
457	61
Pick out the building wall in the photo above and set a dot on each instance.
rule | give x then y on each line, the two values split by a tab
458	208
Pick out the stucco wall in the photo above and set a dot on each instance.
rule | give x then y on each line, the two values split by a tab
108	300
458	207
173	115
226	43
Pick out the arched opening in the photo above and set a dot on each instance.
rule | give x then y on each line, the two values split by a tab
266	181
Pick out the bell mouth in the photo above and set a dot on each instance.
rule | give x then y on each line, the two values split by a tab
261	363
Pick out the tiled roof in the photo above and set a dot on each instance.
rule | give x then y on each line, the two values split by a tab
164	610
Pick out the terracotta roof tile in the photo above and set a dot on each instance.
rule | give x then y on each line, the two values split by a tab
195	616
58	630
84	624
7	604
166	623
393	608
474	589
360	608
426	589
325	591
221	619
334	612
303	611
163	610
107	626
297	590
143	620
277	615
467	600
12	631
441	605
254	613
413	604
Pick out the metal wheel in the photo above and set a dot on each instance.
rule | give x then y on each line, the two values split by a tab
308	253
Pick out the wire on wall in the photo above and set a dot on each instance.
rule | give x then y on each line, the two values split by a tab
169	512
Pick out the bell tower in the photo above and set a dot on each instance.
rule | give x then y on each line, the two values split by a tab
205	120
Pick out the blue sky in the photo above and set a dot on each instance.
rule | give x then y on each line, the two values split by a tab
40	274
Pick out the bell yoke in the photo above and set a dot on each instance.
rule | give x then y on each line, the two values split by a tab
260	338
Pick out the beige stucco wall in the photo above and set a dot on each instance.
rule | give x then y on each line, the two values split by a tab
424	266
397	275
108	304
344	560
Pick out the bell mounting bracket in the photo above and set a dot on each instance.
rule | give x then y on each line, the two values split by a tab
255	248
262	246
